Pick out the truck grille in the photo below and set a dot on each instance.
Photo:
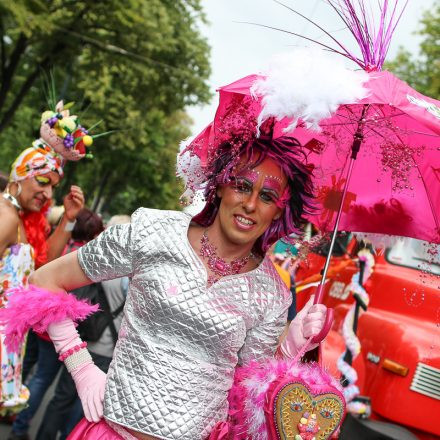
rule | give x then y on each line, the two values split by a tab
426	381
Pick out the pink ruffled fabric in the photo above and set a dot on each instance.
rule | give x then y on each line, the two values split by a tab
93	431
37	308
102	430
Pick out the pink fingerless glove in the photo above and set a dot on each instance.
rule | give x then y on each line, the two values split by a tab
88	378
308	322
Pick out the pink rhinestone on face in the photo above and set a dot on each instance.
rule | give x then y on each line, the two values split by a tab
250	175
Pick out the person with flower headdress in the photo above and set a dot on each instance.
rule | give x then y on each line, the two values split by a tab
24	237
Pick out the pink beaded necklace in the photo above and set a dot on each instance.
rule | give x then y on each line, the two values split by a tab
218	265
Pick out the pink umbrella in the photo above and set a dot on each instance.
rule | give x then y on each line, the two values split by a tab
395	134
395	187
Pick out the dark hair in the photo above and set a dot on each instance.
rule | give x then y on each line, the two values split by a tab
88	225
288	154
4	179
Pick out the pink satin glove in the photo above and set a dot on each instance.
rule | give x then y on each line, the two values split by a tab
88	378
308	322
90	384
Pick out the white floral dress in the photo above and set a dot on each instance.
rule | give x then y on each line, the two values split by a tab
16	265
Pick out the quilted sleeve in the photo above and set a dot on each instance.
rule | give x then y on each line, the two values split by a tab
110	255
262	340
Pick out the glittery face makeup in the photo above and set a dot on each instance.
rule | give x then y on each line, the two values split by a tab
271	188
36	191
250	202
272	183
249	174
42	180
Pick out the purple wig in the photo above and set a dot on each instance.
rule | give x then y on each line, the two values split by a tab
285	152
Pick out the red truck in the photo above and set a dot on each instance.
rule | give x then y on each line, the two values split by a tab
399	364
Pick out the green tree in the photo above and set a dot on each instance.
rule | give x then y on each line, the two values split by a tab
423	72
135	64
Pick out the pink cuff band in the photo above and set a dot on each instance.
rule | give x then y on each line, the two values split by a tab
72	350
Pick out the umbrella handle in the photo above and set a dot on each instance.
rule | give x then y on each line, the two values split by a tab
325	328
319	294
328	318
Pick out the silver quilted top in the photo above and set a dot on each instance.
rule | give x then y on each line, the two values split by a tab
180	340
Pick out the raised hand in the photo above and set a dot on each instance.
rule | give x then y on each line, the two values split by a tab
73	203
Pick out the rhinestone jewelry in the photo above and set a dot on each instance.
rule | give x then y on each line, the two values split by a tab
218	265
253	175
269	176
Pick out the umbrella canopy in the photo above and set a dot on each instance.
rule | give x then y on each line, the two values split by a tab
395	184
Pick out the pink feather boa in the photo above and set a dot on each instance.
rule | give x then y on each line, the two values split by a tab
37	308
250	395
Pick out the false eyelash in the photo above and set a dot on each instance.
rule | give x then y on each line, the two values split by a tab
272	198
241	184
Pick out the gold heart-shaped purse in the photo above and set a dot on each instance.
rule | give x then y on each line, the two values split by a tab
284	400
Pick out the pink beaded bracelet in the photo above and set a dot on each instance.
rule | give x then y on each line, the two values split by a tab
63	356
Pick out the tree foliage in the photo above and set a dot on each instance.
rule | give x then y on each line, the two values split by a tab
422	72
135	64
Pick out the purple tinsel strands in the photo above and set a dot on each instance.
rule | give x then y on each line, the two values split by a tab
361	23
374	44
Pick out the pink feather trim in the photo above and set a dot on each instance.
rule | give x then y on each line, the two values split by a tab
253	385
37	308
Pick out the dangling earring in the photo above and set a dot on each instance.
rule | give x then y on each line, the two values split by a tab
8	196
